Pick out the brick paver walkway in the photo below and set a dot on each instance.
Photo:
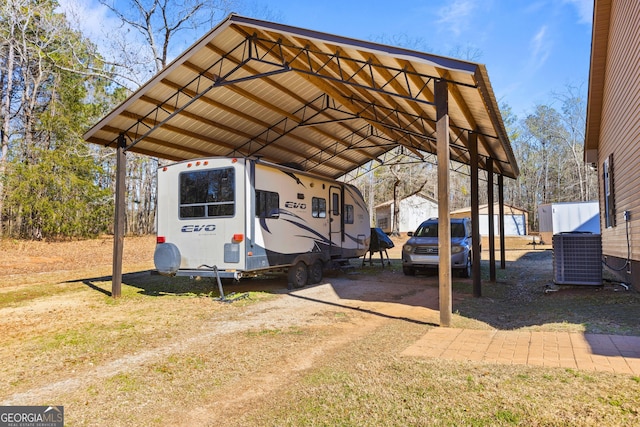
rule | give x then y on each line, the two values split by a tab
612	353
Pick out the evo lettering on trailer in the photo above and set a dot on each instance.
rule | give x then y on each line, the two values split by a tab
197	228
295	205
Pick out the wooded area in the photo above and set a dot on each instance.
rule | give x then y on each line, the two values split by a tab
55	83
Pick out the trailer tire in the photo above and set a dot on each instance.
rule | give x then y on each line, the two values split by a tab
315	272
298	274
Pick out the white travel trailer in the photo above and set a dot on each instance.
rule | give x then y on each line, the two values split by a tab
239	217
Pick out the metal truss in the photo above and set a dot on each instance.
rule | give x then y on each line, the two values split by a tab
399	156
411	130
332	66
326	65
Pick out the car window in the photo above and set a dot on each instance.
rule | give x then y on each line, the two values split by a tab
457	230
431	230
427	230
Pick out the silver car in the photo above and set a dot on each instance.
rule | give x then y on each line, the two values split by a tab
421	250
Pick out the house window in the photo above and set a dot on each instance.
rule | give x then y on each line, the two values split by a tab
609	195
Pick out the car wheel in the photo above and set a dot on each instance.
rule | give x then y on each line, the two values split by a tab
298	275
315	272
409	271
466	271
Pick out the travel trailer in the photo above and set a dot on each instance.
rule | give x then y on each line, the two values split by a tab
239	217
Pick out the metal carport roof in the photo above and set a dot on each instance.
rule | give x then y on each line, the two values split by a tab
326	103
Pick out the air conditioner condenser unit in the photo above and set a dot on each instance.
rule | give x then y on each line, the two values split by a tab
577	259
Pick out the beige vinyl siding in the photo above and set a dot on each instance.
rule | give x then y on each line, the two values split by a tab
620	127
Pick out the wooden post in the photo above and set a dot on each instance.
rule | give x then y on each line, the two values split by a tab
444	220
501	220
475	214
492	241
119	218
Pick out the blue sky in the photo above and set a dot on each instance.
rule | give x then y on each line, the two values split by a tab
531	48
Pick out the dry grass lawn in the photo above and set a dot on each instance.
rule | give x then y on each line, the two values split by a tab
169	353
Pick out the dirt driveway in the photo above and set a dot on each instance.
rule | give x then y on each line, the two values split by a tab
63	334
167	346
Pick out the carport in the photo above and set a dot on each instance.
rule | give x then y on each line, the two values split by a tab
327	103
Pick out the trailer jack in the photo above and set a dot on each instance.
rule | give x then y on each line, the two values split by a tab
222	298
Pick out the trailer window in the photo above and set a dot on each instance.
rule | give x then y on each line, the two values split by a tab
348	214
209	193
318	207
267	204
335	204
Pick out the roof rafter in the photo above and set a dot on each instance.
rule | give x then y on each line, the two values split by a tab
200	119
286	114
337	90
302	55
288	58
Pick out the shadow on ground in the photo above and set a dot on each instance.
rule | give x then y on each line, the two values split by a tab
524	296
151	284
518	299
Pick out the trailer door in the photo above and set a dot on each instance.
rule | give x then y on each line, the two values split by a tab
335	220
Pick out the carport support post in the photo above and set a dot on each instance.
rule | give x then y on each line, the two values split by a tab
118	225
475	214
501	220
492	242
444	220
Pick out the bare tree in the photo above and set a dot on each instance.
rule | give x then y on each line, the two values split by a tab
548	145
163	25
573	107
395	172
151	33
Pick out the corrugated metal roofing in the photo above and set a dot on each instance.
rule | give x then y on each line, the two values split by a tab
326	103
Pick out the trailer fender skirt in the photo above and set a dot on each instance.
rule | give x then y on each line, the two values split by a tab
167	259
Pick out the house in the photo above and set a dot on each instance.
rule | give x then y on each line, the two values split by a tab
515	219
413	210
612	142
554	218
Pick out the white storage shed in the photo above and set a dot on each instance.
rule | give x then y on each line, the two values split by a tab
413	210
515	219
566	217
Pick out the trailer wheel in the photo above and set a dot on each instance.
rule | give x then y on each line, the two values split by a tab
298	275
315	272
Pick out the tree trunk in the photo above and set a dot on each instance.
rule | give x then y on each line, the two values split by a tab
5	116
395	229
